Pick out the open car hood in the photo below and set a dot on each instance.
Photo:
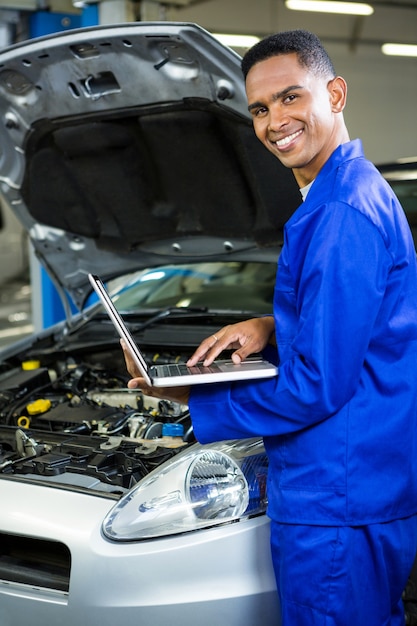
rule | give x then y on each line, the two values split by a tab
129	146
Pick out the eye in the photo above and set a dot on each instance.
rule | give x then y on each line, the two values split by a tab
259	111
290	98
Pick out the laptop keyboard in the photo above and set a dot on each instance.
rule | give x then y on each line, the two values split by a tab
179	369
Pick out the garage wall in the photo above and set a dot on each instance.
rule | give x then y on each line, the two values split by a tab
382	100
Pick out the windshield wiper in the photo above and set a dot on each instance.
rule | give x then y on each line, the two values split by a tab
172	310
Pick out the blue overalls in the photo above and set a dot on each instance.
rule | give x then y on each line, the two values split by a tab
340	421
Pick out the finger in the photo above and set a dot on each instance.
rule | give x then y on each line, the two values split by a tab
247	347
242	353
130	363
215	351
140	383
203	349
175	394
236	357
227	341
212	347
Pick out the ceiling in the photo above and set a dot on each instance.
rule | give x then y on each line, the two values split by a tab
392	21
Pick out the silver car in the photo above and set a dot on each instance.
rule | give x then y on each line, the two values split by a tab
128	152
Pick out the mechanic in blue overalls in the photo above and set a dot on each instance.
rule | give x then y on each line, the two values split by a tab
340	421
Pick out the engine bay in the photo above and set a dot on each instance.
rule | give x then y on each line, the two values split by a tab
70	419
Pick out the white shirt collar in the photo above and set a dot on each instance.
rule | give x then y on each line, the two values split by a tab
304	190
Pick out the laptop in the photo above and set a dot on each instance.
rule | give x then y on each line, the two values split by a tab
177	374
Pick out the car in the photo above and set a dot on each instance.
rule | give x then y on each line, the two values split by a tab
127	151
402	176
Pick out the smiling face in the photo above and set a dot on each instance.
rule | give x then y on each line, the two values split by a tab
296	114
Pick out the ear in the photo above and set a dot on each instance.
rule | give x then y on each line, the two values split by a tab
337	88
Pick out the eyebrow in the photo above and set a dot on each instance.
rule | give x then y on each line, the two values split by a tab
275	96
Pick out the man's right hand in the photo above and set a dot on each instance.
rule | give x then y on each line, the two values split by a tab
248	337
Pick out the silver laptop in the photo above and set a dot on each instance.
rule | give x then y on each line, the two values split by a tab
177	374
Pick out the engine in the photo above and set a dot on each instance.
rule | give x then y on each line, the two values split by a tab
75	422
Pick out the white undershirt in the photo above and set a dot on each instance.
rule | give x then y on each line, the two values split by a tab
304	190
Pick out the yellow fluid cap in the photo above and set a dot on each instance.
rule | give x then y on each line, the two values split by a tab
38	406
31	365
23	421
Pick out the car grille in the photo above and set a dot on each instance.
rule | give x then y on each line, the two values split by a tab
35	562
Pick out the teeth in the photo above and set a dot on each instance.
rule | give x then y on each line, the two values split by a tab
283	142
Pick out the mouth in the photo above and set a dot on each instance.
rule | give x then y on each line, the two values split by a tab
286	141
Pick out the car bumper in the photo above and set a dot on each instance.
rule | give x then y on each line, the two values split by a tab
218	576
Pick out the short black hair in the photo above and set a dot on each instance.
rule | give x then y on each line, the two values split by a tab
308	47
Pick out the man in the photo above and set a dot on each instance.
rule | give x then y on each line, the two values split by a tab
340	421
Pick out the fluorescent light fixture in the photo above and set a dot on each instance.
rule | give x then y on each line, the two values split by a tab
399	49
236	41
325	6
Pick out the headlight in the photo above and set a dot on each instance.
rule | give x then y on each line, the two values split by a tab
202	487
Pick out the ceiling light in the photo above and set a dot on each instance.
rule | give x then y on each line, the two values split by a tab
81	4
324	6
399	49
236	41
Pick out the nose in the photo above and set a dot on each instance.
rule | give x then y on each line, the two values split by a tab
277	118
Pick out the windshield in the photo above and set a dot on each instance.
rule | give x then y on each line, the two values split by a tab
235	286
406	191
